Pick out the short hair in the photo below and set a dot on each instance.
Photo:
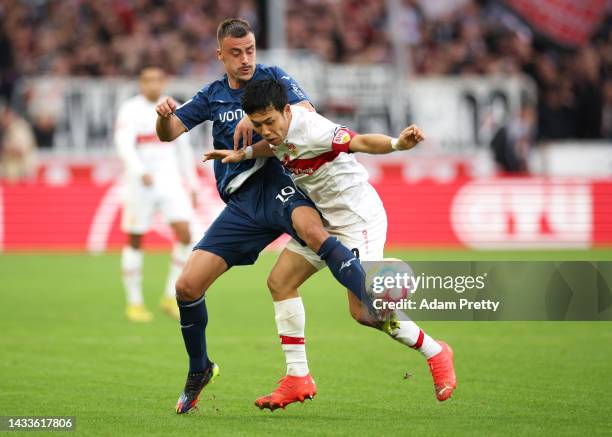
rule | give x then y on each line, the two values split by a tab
151	66
261	94
234	28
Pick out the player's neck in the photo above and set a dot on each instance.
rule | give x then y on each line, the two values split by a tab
235	83
150	99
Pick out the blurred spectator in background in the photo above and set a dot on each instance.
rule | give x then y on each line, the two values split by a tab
115	37
7	71
441	37
17	146
349	31
606	123
512	142
466	37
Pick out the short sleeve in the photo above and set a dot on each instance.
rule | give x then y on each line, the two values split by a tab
324	133
295	93
195	110
342	139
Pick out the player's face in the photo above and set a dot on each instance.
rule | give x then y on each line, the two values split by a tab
272	125
238	57
152	82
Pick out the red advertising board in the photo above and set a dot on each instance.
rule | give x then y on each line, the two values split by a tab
82	214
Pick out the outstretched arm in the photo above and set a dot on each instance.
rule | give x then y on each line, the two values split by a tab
260	149
380	144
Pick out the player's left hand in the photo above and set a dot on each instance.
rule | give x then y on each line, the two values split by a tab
226	156
410	137
244	131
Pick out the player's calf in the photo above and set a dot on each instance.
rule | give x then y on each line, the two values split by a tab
361	314
346	268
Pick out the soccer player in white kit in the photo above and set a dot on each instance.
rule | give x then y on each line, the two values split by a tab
154	177
318	153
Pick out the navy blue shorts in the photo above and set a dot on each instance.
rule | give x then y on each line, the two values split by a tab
256	215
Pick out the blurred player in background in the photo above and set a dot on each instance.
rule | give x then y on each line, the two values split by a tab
154	175
317	152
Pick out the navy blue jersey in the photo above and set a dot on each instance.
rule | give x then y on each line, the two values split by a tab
221	104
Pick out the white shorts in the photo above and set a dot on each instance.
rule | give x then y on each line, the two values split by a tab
367	236
141	203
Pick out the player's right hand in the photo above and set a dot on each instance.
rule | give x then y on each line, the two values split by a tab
166	107
147	180
244	132
226	156
410	137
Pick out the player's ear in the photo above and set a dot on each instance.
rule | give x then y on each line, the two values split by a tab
219	57
287	109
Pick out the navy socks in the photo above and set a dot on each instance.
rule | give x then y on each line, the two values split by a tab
194	318
345	266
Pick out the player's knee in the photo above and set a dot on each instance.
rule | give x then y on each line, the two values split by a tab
186	291
313	235
278	288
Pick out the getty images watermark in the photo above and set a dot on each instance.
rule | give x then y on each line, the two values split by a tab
391	291
490	290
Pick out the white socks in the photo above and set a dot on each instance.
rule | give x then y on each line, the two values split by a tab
411	335
131	270
290	321
178	258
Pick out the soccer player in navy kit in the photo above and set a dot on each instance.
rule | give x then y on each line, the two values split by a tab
262	203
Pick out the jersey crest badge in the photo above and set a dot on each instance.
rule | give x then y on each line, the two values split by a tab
342	136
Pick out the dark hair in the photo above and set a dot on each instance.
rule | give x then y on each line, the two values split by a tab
233	27
261	94
151	66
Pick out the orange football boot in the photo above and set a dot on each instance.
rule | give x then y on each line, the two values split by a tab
290	390
443	372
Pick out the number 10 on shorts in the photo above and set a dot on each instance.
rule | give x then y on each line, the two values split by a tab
285	193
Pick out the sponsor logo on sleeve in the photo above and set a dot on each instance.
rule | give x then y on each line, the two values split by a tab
342	136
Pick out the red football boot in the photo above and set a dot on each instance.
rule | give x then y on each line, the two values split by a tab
290	390
443	372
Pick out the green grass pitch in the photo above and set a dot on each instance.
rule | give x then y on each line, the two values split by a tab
66	349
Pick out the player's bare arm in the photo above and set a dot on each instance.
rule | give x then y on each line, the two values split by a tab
260	149
168	126
381	144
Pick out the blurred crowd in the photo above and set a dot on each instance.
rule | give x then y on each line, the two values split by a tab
442	37
481	38
113	37
467	37
96	38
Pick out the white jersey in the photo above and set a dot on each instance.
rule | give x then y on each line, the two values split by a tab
316	151
142	152
168	163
